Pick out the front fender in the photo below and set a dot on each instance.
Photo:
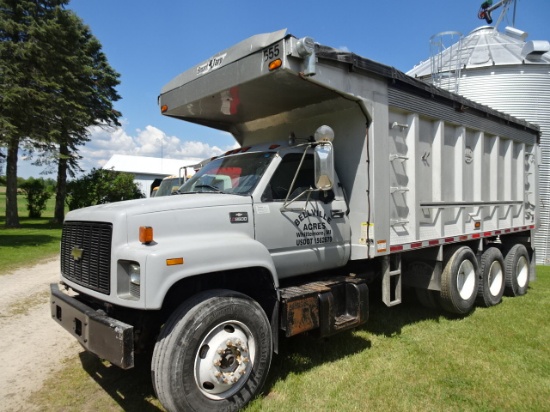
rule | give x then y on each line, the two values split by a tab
202	254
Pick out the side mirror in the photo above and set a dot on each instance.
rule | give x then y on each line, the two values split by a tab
324	166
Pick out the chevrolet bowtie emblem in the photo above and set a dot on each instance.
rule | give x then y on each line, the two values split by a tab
76	253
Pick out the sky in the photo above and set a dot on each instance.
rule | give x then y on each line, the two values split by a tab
150	42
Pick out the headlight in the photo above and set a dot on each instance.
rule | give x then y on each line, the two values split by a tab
135	274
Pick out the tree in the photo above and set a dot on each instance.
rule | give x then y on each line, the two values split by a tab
87	92
37	194
52	66
101	186
22	95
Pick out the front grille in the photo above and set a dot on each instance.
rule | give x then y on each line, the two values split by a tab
86	254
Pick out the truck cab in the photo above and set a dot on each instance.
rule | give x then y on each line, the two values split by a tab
288	211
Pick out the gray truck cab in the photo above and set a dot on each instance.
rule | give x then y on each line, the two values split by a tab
288	210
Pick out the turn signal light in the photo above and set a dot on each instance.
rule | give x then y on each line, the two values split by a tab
275	64
174	261
145	234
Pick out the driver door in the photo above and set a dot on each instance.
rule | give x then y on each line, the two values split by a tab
309	234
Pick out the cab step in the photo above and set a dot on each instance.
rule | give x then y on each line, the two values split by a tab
328	306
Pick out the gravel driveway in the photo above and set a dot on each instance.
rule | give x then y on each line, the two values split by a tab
32	346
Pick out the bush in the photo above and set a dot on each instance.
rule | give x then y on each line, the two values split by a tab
101	186
37	194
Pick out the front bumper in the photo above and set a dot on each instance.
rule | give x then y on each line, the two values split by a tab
98	333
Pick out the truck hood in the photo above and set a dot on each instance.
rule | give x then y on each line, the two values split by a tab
109	212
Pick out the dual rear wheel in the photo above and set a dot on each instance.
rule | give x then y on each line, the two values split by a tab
459	280
491	271
517	267
465	283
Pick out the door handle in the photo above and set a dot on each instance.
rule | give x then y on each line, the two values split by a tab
337	214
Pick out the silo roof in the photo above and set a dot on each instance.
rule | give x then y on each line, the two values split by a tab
486	46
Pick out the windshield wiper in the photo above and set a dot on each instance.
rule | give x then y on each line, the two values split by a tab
213	188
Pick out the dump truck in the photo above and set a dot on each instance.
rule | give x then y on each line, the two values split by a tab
350	176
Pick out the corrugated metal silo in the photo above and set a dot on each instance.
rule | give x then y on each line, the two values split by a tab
507	73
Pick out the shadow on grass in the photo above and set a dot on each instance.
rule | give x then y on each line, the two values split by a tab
131	388
301	353
32	223
389	321
27	240
31	233
298	354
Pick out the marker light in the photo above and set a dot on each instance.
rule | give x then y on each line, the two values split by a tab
145	234
174	261
275	64
163	108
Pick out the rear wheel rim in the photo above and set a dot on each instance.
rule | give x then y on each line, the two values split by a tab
522	271
496	278
466	279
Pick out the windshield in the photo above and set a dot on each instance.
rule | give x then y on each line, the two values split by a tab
236	174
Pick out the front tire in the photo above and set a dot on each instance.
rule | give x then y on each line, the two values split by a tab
213	353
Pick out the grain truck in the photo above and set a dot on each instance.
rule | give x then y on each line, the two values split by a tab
349	175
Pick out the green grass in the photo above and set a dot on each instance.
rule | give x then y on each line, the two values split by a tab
410	358
34	241
406	358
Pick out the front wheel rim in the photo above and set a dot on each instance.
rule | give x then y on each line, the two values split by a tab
466	279
224	360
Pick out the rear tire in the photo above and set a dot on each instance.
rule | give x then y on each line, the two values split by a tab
459	281
213	354
491	271
517	271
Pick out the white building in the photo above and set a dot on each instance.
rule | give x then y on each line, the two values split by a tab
148	169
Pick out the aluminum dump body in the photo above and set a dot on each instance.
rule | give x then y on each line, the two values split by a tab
420	166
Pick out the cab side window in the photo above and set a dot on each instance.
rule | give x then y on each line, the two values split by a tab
278	187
